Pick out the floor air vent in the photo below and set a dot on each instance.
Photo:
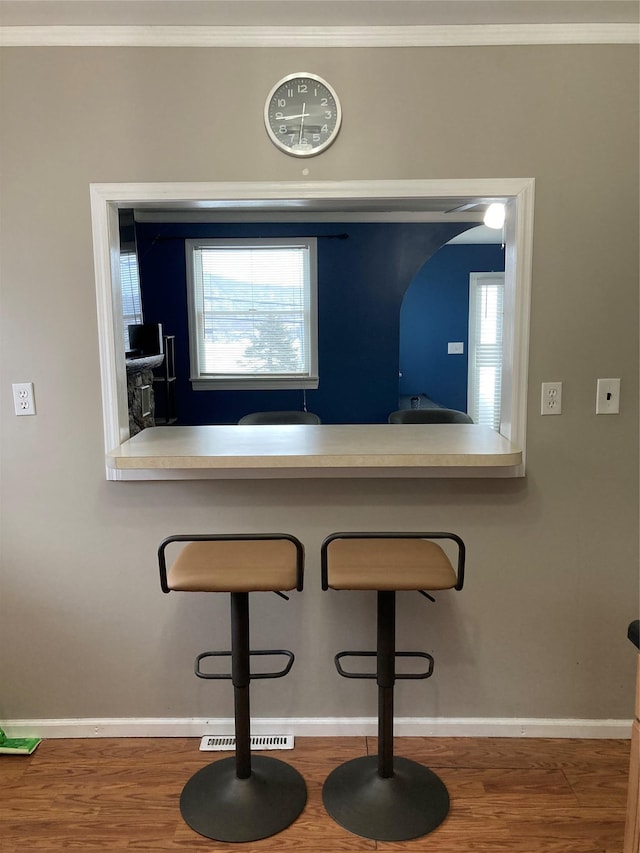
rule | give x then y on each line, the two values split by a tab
227	743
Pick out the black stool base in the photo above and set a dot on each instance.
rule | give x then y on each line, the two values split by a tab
411	803
218	805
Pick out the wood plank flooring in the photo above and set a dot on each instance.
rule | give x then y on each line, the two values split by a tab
508	796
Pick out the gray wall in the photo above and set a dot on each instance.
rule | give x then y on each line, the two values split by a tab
539	630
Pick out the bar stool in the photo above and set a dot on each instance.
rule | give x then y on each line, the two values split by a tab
239	798
384	797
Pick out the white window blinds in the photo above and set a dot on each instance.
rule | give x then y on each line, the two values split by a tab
486	298
131	297
252	313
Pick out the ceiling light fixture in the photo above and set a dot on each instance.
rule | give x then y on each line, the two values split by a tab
494	217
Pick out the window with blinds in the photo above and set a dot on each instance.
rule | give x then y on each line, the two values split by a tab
486	298
131	296
252	313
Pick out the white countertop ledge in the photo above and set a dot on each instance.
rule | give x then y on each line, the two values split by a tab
327	450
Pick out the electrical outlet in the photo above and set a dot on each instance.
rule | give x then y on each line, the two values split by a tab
23	399
551	403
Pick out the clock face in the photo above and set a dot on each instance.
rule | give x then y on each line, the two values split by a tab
302	115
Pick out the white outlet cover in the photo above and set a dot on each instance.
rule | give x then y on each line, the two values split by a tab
455	347
23	399
551	398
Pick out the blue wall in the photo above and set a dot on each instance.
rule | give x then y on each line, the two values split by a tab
361	284
435	311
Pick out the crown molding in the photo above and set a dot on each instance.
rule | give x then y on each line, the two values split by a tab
401	36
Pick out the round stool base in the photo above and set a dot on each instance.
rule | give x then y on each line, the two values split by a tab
411	803
218	805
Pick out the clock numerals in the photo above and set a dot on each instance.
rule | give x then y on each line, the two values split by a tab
302	115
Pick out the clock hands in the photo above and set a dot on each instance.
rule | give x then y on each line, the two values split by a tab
299	115
304	106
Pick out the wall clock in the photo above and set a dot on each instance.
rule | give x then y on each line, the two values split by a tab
302	114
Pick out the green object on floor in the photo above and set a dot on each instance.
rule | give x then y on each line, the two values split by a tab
17	745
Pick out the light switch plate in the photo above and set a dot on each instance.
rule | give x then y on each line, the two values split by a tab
455	347
608	397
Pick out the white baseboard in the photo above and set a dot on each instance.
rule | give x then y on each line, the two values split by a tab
319	727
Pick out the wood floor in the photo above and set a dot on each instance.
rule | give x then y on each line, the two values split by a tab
508	796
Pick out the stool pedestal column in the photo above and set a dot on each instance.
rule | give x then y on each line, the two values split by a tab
242	798
386	678
384	797
240	677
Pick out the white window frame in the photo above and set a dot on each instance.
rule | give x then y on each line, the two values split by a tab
203	381
390	200
477	280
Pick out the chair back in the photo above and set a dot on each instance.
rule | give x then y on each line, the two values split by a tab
429	416
280	418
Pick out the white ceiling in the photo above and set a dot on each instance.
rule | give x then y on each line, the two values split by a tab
321	13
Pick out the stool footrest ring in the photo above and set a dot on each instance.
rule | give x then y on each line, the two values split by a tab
279	674
415	675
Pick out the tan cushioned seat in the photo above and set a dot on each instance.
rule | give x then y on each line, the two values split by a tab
388	564
234	566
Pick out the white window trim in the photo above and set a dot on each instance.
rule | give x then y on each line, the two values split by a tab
200	382
255	199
